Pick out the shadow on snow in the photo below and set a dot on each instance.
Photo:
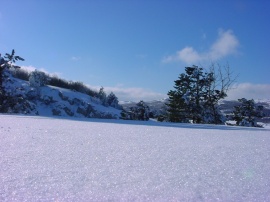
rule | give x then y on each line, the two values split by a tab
144	123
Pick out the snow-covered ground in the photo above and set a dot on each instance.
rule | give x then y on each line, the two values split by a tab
51	100
53	159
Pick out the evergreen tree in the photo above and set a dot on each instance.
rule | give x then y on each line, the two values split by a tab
6	63
112	101
139	112
194	92
246	113
142	111
12	58
176	107
102	96
125	115
185	100
196	96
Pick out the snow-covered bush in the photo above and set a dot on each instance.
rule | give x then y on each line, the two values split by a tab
140	112
102	96
213	116
21	74
38	79
32	94
246	113
112	101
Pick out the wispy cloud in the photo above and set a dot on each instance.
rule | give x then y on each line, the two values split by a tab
132	94
204	36
123	93
75	58
249	91
31	68
226	44
241	90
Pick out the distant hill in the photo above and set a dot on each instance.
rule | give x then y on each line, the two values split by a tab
158	107
227	107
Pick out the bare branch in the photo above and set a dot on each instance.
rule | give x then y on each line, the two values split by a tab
224	77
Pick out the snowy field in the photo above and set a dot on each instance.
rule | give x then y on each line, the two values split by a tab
50	159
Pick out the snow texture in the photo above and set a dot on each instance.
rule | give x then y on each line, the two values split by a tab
57	159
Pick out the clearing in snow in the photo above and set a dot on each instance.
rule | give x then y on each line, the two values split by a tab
56	159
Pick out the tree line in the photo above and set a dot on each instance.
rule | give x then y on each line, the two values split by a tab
195	98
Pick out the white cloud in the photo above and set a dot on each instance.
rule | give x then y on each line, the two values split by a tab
226	44
204	36
187	55
123	93
249	91
31	68
28	68
241	90
75	58
132	94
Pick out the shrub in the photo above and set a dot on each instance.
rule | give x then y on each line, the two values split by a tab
21	74
58	82
247	112
38	79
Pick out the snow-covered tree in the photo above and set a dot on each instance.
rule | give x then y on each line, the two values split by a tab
187	96
102	96
139	112
12	58
5	64
247	112
196	96
38	79
112	101
176	111
142	111
218	81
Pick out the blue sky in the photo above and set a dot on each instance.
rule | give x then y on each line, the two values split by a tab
138	48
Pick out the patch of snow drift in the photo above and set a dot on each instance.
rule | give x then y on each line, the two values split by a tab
48	159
